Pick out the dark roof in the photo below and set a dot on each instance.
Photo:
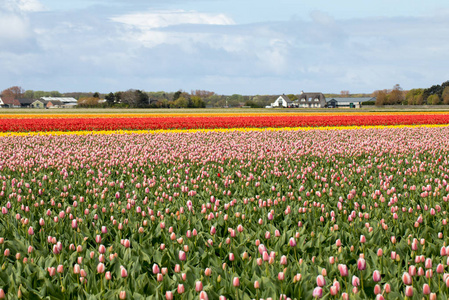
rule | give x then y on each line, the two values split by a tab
26	101
353	99
313	95
287	99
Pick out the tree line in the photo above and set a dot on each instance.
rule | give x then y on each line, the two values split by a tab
434	95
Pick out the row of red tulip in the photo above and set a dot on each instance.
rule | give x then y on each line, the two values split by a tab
155	123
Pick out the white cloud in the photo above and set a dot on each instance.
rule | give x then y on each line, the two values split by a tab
159	19
21	5
13	27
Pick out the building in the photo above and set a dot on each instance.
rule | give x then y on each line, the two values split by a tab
282	101
9	102
26	102
39	103
311	100
345	102
66	101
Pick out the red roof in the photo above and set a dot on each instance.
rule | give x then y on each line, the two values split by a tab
10	101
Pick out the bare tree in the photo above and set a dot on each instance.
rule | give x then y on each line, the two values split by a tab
14	92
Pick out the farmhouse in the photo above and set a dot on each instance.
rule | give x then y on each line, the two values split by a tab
39	103
282	101
9	102
349	102
311	100
26	102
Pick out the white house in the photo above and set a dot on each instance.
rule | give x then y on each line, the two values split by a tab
282	101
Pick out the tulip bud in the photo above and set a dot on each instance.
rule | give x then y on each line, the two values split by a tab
236	282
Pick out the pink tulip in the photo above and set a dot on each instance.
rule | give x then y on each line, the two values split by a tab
320	281
122	295
100	268
362	239
123	272
428	263
376	276
379	252
409	291
182	255
406	278
292	242
156	269
317	292
343	269
236	281
203	295
60	269
169	295
333	290
426	289
355	281
377	289
283	260
281	276
198	286
361	264
181	288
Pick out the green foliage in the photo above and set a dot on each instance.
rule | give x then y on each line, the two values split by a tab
445	95
433	100
110	99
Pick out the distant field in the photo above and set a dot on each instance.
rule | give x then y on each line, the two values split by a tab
401	108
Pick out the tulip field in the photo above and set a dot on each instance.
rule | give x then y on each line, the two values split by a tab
270	206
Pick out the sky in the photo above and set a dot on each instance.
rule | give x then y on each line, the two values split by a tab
244	47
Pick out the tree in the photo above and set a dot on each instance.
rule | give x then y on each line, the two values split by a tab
14	92
344	93
181	102
433	99
177	95
198	102
39	94
29	94
445	95
291	97
96	95
110	99
88	102
411	98
396	96
142	99
135	98
381	97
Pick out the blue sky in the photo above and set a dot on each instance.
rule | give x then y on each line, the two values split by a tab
244	47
